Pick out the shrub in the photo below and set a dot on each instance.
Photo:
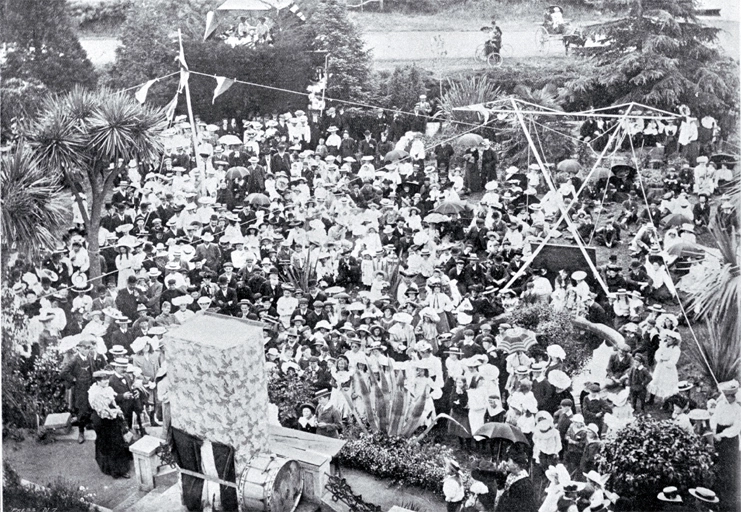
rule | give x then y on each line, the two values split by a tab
27	391
59	495
650	454
288	394
404	461
556	328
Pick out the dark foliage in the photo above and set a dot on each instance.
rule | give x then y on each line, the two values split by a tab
650	454
42	45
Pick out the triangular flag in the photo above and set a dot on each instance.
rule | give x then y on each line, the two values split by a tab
211	24
222	85
141	94
184	75
170	108
181	55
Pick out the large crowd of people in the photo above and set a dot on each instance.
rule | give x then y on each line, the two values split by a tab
353	260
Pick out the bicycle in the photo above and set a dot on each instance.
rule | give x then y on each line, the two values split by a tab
493	59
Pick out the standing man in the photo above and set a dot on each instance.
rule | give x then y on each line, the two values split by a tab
329	420
126	396
78	373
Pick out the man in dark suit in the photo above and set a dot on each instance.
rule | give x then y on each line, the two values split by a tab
126	396
280	162
208	252
347	146
367	146
225	298
78	374
256	180
121	335
128	298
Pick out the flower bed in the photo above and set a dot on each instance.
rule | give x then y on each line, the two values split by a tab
403	461
59	495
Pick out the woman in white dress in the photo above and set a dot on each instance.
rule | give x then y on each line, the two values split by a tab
665	380
342	377
124	264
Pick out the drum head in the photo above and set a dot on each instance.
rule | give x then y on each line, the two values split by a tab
287	488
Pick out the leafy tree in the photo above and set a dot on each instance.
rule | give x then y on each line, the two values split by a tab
19	100
42	45
80	134
148	52
648	455
149	41
402	87
35	208
661	55
329	29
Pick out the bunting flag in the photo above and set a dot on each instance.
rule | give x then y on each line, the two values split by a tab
211	24
184	74
222	85
181	55
170	108
141	94
295	9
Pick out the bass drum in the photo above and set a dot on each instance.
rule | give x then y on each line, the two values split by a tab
271	483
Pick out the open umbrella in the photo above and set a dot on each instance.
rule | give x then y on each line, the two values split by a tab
470	140
230	140
501	431
176	141
675	219
449	207
212	128
257	199
724	158
395	155
569	165
436	218
236	172
601	173
686	250
517	339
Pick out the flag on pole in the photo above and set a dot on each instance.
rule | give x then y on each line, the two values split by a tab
181	55
170	108
222	85
141	94
184	74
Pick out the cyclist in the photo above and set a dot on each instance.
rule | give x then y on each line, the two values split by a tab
494	43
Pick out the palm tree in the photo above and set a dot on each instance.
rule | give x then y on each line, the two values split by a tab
715	298
80	134
467	91
547	131
34	206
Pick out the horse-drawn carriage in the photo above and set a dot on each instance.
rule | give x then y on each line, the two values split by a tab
555	29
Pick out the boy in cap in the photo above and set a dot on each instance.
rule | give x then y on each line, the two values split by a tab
638	379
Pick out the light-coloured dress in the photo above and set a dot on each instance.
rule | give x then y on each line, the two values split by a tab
665	381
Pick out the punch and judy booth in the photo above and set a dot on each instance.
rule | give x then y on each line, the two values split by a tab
220	430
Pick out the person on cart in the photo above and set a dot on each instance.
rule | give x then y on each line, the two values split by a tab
494	43
553	20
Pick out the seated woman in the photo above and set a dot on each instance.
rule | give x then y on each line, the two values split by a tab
553	20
